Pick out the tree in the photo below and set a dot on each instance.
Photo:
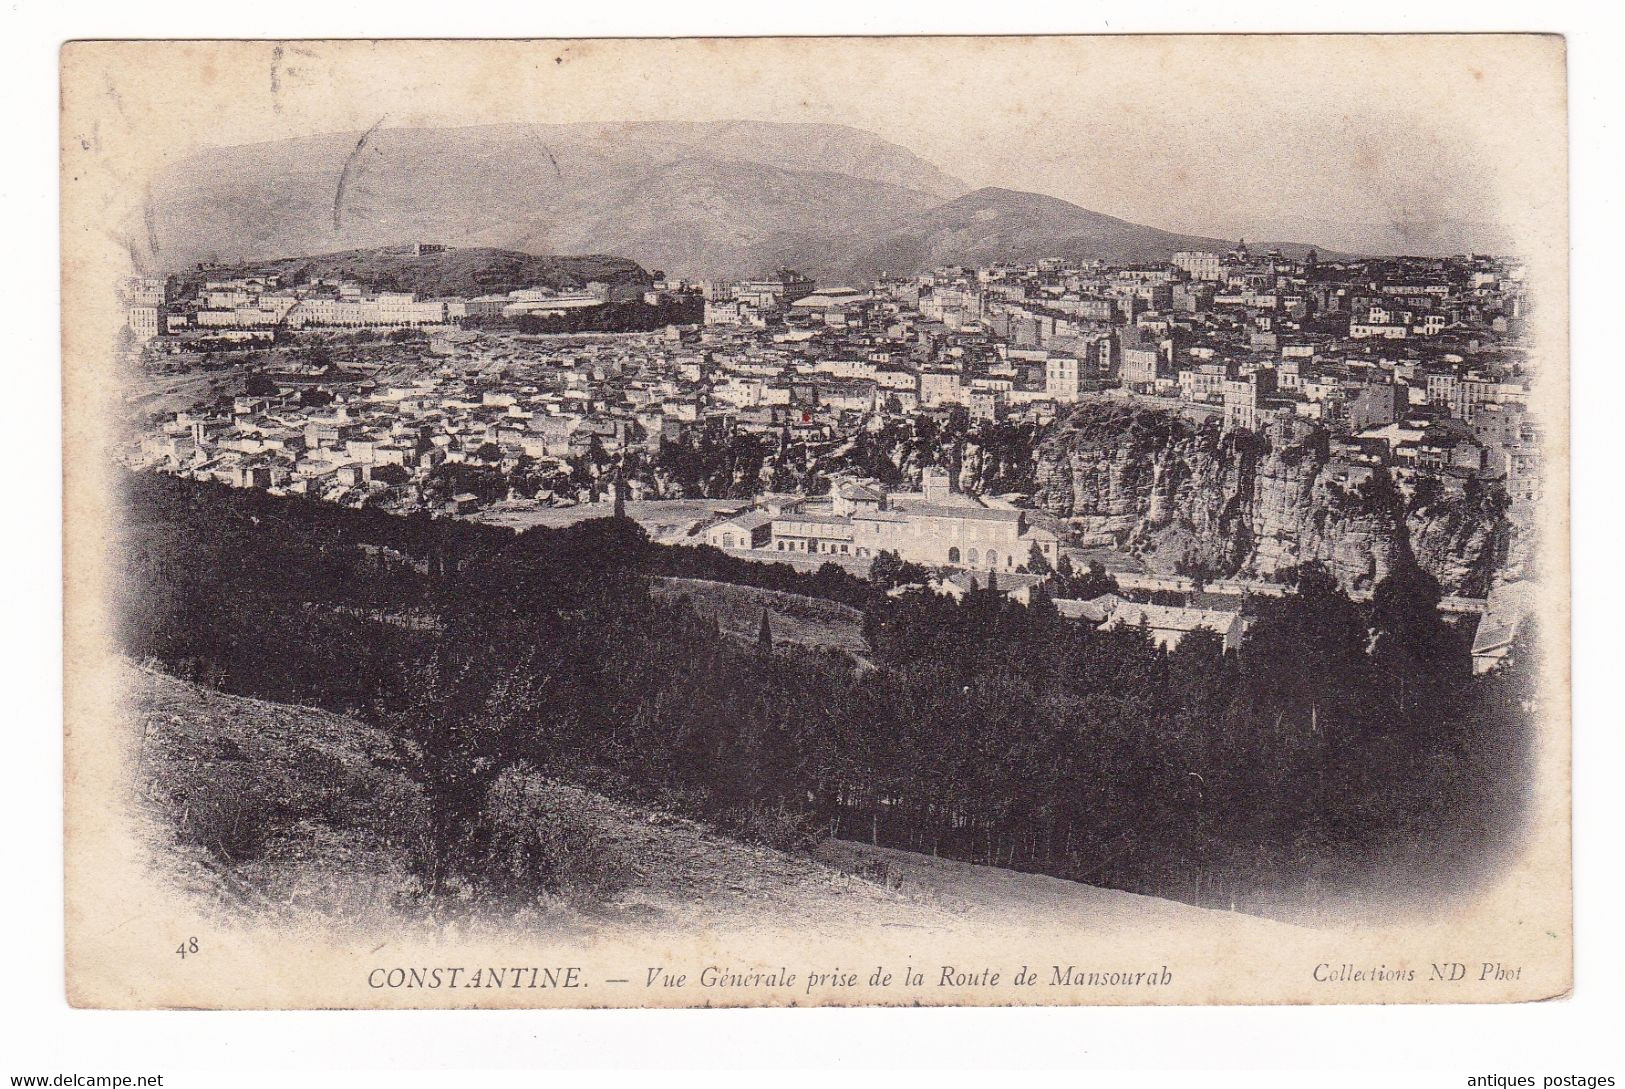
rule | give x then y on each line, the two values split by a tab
1378	494
1041	604
885	569
1094	582
1426	492
1410	642
1303	662
455	743
888	570
1037	563
1063	568
976	730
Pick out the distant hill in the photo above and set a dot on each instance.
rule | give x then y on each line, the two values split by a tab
992	225
813	148
716	199
1410	237
464	272
703	218
689	199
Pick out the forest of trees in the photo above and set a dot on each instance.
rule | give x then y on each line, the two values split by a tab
737	464
626	316
724	463
1341	742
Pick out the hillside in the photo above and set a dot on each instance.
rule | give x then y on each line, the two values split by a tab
807	146
717	199
689	199
282	813
1420	237
794	619
702	218
461	272
993	225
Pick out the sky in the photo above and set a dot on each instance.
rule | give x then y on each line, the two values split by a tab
1215	135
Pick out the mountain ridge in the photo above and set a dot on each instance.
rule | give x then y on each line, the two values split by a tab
692	199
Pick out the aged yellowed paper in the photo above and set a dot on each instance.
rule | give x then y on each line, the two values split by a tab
849	521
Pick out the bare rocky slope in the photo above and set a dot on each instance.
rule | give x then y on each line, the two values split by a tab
1189	497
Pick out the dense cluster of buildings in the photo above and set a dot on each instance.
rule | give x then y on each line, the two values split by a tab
1415	365
176	314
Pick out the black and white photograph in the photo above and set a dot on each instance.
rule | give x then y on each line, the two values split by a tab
828	521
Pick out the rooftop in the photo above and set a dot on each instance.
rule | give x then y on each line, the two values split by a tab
1173	617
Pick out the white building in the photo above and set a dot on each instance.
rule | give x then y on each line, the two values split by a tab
936	527
1061	378
1199	265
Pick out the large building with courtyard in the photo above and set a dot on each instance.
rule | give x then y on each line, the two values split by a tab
936	527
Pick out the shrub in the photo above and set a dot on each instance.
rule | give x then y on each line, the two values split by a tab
234	824
878	871
777	827
526	845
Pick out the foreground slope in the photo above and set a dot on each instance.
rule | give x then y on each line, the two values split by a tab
285	814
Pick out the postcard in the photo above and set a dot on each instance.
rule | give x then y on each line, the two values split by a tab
817	521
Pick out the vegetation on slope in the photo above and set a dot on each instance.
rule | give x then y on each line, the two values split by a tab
457	272
1342	748
287	813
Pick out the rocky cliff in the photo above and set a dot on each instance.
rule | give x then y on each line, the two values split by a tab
1194	498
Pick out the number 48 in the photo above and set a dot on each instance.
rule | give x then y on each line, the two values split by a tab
186	947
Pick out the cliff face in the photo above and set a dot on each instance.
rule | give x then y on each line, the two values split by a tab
1192	498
